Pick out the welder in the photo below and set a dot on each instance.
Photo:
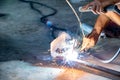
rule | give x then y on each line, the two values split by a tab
104	21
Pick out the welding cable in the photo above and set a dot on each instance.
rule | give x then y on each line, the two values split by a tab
111	59
49	24
79	21
44	18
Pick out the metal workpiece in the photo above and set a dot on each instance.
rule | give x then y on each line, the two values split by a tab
79	65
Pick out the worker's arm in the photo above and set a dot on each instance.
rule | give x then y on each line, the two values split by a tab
116	1
90	40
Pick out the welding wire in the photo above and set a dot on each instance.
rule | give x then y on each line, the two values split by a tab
79	21
80	24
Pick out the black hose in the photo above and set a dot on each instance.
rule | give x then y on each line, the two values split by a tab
44	18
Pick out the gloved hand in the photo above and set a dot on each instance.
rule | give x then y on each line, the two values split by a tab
89	41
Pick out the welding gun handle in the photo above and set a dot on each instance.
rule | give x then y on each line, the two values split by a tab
113	8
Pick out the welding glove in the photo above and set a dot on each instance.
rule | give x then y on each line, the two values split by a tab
89	41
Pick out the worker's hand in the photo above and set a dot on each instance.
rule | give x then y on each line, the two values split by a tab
89	41
98	6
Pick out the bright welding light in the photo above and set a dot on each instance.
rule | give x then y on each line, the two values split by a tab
72	55
64	46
